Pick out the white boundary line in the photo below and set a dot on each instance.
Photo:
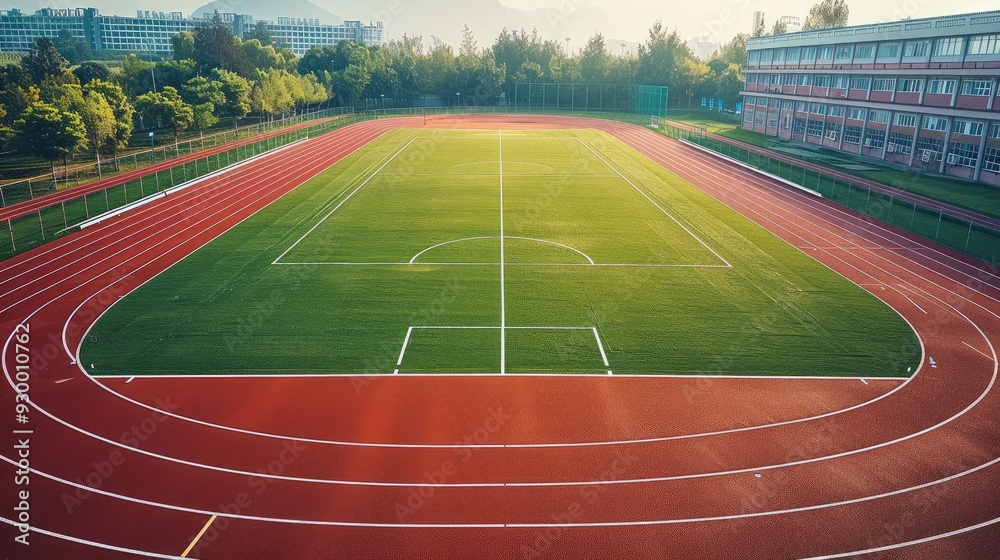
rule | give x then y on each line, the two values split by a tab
348	197
92	544
647	197
699	375
503	285
612	265
545	241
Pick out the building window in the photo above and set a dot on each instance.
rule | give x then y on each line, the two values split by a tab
991	160
949	46
840	82
773	103
808	54
792	55
788	80
815	128
751	79
900	143
775	78
881	117
941	86
963	154
832	130
837	111
822	82
909	85
779	56
888	50
844	53
758	119
883	84
805	79
765	57
824	53
903	119
852	134
800	127
874	138
916	49
934	146
856	114
802	107
818	109
747	116
860	83
977	87
995	131
934	123
772	121
969	128
864	51
985	44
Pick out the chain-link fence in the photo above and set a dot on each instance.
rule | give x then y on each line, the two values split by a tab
617	98
18	191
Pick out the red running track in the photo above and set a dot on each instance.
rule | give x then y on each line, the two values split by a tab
519	467
14	211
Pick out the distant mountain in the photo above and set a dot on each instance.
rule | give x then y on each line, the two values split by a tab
269	10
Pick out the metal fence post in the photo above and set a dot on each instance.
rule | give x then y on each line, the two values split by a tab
10	228
31	195
107	204
86	206
142	190
940	217
63	204
968	237
125	188
868	200
914	215
41	224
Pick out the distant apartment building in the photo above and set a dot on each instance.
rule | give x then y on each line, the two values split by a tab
921	93
151	31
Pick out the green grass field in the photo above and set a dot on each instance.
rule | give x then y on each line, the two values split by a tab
484	252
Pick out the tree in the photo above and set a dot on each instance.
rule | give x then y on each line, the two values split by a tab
263	57
174	73
75	49
236	90
16	92
203	117
694	74
733	52
90	71
183	45
595	60
270	94
166	106
318	59
99	120
199	91
261	32
661	57
123	111
827	14
215	46
44	61
780	28
48	133
135	75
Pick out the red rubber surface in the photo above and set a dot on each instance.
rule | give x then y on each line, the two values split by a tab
518	467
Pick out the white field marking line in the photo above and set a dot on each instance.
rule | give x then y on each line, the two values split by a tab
501	163
647	197
238	192
833	219
832	214
93	544
244	188
976	349
675	521
909	543
863	381
130	380
503	286
575	250
406	341
198	536
600	345
610	265
153	376
113	213
348	197
227	193
153	213
912	302
696	435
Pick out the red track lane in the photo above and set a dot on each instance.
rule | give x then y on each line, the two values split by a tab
15	211
859	478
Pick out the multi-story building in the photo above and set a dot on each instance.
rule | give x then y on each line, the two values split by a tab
921	93
151	31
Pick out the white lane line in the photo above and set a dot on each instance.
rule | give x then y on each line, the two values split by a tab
863	381
987	356
349	375
61	381
503	287
908	543
198	536
92	544
129	380
660	208
348	197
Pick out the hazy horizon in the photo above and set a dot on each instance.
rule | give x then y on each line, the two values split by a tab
715	21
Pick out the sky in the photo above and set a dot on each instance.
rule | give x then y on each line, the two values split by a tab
715	21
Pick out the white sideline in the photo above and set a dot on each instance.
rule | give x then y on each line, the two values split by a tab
156	196
751	168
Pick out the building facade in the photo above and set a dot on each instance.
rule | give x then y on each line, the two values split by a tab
918	93
151	31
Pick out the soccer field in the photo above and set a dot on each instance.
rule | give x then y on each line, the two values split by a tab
433	251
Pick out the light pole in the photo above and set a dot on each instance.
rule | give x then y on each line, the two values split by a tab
152	74
152	149
568	52
458	99
383	105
